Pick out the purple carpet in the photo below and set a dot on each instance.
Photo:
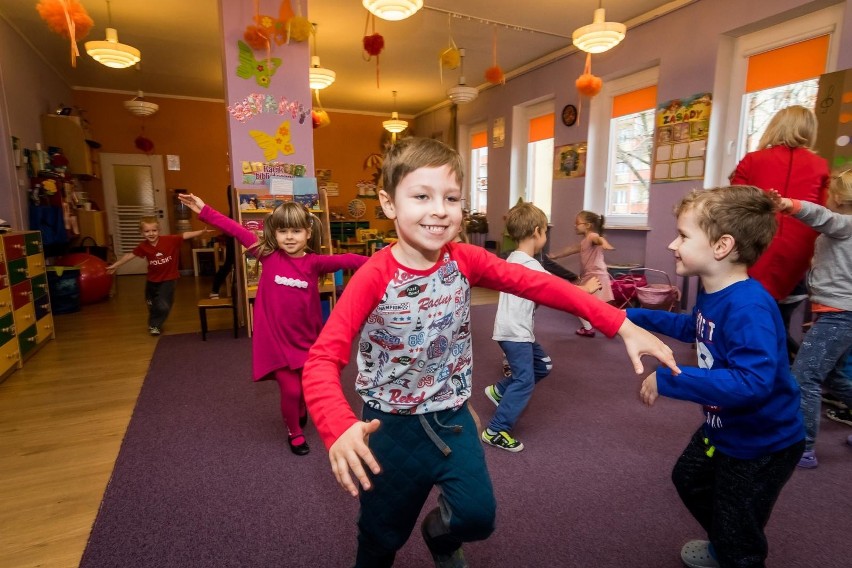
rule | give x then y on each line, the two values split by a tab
204	477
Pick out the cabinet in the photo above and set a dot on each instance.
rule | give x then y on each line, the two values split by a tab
26	320
67	132
342	231
93	224
249	269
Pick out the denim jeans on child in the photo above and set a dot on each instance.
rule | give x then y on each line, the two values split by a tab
529	364
822	358
159	296
416	453
733	498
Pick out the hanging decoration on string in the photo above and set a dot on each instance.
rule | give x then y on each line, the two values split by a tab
300	27
373	44
588	84
268	28
494	74
67	18
319	117
450	58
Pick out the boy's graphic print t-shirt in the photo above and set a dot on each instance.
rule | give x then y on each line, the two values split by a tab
163	258
415	351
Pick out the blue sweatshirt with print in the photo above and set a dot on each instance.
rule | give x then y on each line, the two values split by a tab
750	400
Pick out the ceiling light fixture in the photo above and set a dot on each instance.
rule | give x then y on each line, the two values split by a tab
461	93
395	125
110	52
319	77
393	10
140	107
600	35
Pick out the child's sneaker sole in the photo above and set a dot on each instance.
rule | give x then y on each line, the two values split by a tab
503	441
808	460
842	416
696	554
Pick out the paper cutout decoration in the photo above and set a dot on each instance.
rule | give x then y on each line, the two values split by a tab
262	70
269	27
274	143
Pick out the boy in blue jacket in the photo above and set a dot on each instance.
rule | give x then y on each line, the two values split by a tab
734	467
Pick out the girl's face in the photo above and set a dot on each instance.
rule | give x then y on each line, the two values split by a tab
293	240
427	213
151	232
581	226
692	250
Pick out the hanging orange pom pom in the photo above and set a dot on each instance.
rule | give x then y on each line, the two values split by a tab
300	28
588	84
495	75
53	12
374	44
320	118
256	38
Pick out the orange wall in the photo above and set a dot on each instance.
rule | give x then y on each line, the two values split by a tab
343	147
196	131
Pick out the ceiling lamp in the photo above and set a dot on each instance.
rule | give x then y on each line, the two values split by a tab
393	10
600	35
395	125
319	77
461	93
139	107
110	52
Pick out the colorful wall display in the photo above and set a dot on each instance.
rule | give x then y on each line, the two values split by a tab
834	117
680	146
569	161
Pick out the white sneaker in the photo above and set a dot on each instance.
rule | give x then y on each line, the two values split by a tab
696	554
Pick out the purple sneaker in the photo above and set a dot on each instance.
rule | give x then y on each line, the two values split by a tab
808	460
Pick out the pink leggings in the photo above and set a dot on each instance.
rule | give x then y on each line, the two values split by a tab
292	399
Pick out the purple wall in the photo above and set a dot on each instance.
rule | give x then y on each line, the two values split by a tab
687	59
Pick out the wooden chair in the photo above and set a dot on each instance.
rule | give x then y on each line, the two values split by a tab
221	303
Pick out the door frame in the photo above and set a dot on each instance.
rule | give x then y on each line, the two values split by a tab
155	162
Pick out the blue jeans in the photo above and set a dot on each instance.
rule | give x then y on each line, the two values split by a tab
159	296
529	364
824	357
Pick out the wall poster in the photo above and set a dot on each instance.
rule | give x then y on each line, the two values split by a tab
569	161
681	138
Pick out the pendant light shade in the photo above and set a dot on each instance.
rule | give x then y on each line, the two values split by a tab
393	10
461	93
600	35
137	106
395	125
111	53
319	77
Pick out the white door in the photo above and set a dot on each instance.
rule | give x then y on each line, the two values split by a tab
134	187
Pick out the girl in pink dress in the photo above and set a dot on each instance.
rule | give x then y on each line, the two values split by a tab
287	311
591	226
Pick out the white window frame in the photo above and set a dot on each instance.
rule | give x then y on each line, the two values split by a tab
729	110
473	177
521	116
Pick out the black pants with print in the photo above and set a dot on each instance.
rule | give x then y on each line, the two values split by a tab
733	498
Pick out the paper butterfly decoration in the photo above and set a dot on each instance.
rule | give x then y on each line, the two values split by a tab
277	142
261	69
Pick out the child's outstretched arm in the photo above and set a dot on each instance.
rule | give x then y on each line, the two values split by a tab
567	251
225	224
350	452
124	259
639	342
602	242
192	234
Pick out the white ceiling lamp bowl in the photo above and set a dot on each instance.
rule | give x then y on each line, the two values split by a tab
461	93
600	35
110	52
139	107
393	10
395	125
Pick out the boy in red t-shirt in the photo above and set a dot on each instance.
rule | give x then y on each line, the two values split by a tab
162	253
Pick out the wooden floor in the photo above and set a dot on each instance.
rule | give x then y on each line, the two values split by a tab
63	417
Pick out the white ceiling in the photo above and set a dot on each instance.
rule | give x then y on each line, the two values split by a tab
181	46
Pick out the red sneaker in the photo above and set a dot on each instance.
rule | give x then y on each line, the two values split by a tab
586	332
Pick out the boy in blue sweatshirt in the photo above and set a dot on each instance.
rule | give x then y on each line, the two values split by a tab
734	467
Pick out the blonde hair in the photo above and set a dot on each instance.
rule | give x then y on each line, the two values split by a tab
413	153
288	215
841	188
794	127
595	221
745	212
149	220
522	221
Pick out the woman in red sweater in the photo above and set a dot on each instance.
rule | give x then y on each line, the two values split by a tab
785	162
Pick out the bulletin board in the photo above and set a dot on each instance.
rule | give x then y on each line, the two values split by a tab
681	138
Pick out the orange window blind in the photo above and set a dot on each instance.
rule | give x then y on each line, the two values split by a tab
479	140
542	127
789	64
634	101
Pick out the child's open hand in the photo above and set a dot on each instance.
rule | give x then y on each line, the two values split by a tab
648	393
782	204
592	285
349	451
640	342
191	201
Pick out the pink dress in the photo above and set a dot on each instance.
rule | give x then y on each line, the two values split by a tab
592	264
287	311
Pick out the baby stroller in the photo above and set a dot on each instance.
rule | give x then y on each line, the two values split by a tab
657	291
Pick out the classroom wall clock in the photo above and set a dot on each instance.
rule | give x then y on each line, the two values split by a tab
569	115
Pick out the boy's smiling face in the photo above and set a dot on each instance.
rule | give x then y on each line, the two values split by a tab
427	213
692	248
151	232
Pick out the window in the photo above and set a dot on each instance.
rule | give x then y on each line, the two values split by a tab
539	183
621	141
478	179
